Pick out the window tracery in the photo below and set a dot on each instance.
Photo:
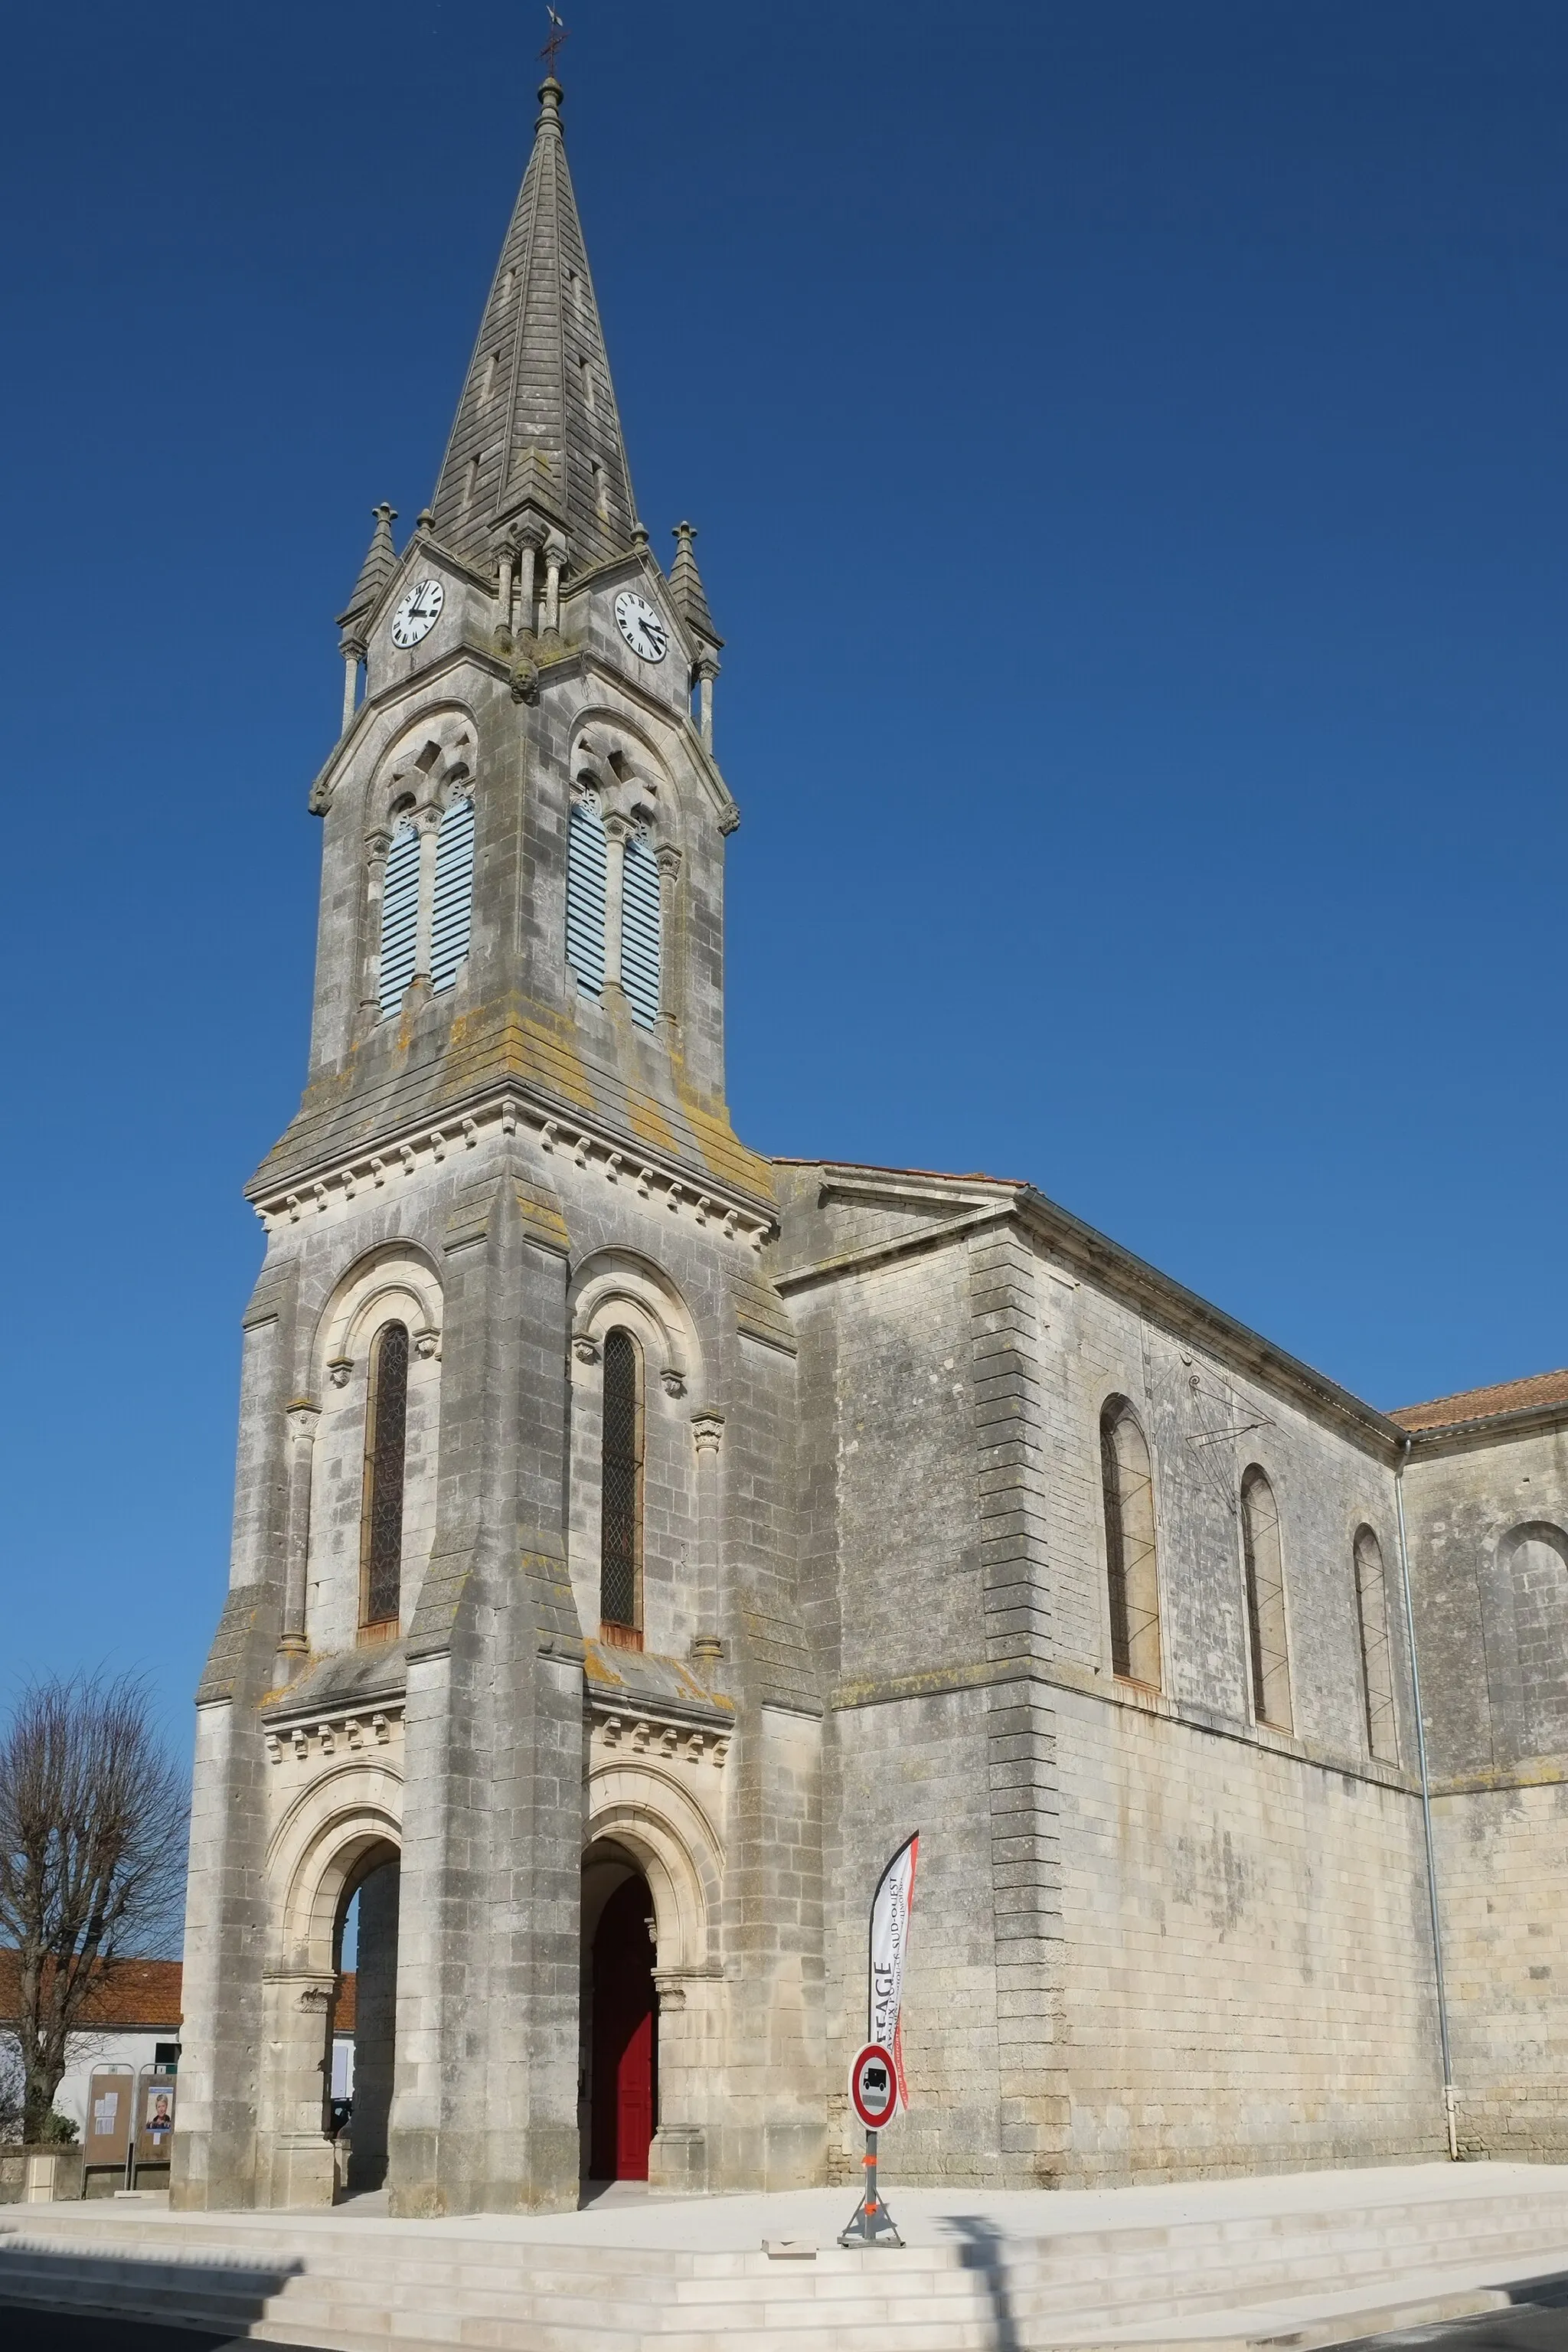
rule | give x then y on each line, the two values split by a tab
620	1570
1131	1566
386	1432
1265	1601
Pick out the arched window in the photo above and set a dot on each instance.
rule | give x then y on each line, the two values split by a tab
1376	1659
1536	1558
640	929
1130	1560
385	1439
1265	1601
586	863
399	918
620	1539
452	911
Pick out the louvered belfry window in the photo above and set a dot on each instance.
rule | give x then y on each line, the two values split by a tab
640	931
453	902
386	1435
1265	1601
620	1554
586	861
399	919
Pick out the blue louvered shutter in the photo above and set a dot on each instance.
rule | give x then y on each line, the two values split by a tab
399	918
585	863
454	893
640	931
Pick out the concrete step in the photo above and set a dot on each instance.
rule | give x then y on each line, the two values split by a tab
1288	2279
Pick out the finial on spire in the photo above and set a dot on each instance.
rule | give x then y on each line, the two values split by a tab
558	33
380	562
686	587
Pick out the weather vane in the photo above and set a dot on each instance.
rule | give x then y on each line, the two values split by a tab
558	33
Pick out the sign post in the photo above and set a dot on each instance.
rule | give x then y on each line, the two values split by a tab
877	2089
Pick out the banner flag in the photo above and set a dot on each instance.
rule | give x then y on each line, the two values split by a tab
890	1908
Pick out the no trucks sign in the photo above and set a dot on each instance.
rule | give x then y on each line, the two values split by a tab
874	2086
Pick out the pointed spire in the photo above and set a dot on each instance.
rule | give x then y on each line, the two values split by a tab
380	564
686	587
536	442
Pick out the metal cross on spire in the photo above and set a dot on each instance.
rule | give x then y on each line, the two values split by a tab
558	33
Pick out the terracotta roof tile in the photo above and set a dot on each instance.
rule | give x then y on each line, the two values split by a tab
143	1995
1485	1405
134	1995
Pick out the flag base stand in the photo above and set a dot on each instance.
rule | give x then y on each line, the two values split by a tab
870	2224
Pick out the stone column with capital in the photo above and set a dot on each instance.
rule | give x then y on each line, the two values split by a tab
430	823
301	1416
503	601
706	1435
617	832
554	564
377	845
666	857
706	671
354	654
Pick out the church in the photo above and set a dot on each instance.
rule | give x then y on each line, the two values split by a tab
635	1539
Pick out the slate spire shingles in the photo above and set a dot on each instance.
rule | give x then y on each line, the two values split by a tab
537	439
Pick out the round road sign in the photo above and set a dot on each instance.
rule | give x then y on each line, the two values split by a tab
874	2086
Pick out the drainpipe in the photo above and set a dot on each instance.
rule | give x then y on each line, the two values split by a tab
1448	2092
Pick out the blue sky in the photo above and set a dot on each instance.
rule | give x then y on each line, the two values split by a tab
1127	443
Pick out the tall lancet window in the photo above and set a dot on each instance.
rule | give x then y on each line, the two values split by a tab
452	908
640	929
1376	1657
620	1523
1265	1601
399	918
587	865
386	1443
1131	1564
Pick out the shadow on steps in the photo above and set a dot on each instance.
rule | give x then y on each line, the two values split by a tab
219	2299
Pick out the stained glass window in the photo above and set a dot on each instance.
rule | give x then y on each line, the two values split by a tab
386	1432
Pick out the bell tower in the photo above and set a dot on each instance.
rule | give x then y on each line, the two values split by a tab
524	822
505	1637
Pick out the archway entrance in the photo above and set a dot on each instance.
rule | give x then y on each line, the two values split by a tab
371	1899
622	2009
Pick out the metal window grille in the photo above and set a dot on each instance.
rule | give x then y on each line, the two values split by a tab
386	1438
1130	1554
620	1539
454	900
641	926
399	919
585	875
1265	1601
1376	1658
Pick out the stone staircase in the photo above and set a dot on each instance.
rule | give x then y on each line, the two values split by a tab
984	2273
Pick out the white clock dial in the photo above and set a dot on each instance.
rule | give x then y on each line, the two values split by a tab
643	626
418	613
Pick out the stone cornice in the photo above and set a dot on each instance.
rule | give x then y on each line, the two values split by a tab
1083	1251
1065	1674
492	1114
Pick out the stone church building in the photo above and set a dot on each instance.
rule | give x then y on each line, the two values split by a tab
635	1538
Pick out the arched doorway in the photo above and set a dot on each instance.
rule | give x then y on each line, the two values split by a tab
621	2007
371	1896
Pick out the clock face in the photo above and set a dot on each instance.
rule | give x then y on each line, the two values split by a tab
642	625
418	613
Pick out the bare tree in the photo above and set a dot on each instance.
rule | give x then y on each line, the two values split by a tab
92	1832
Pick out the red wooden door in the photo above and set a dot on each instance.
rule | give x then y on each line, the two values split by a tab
625	2037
